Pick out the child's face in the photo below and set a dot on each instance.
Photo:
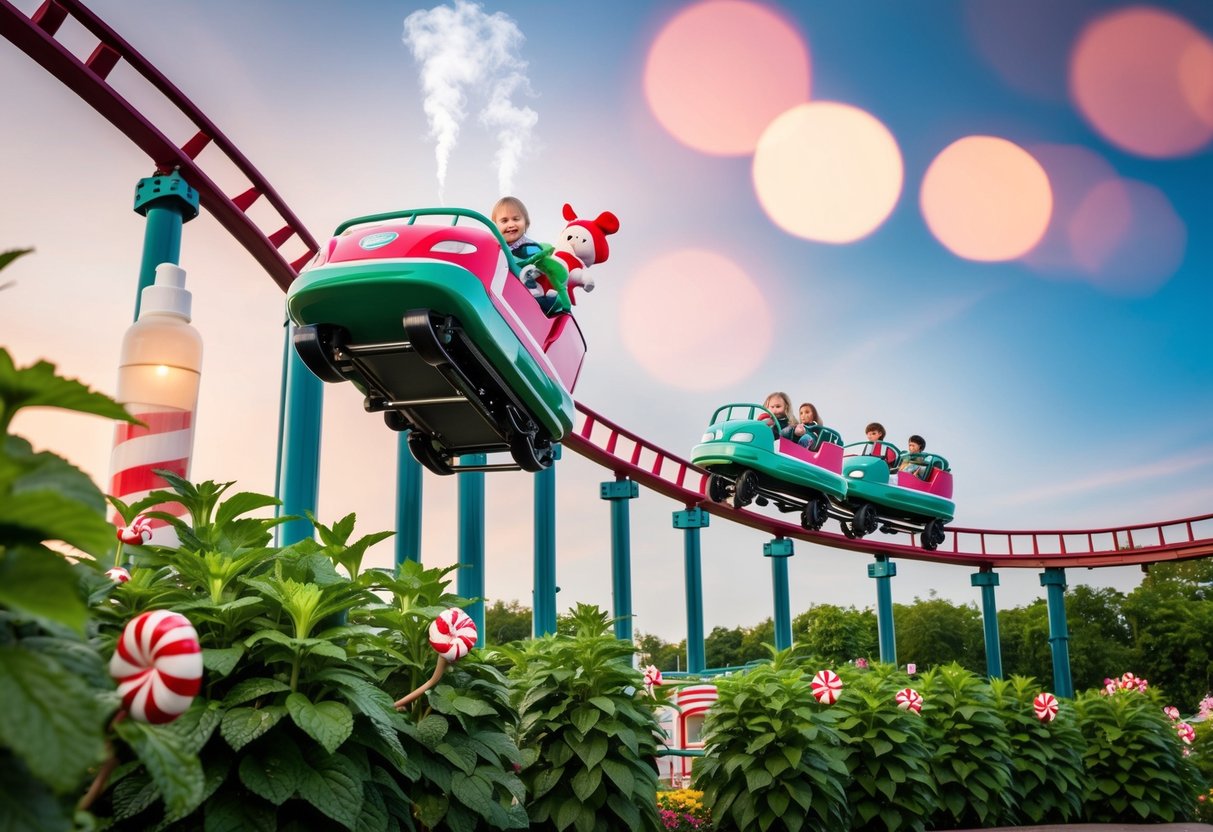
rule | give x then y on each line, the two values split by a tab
875	436
915	448
807	414
776	407
510	223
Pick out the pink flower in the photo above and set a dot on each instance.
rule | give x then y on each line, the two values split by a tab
1186	732
139	531
911	668
861	664
1206	706
1172	712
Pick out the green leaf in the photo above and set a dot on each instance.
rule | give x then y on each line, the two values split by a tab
431	729
38	386
9	256
328	723
251	689
473	791
176	772
241	726
273	770
49	718
28	804
242	503
228	812
222	660
43	584
620	774
333	784
473	707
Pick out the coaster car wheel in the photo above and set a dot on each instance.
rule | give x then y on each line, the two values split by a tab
425	452
864	521
932	535
531	454
815	513
745	489
316	345
718	488
395	420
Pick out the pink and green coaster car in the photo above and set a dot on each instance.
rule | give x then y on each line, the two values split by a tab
424	313
748	461
881	496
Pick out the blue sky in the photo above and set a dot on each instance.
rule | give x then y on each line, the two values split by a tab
1061	403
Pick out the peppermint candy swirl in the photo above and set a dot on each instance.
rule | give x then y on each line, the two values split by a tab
453	634
157	664
826	687
909	699
139	531
652	677
118	575
1045	705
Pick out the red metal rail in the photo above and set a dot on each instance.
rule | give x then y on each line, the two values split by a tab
597	438
628	455
36	37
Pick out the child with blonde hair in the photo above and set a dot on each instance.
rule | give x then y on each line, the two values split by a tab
781	408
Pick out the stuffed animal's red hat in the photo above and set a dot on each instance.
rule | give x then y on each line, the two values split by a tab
605	223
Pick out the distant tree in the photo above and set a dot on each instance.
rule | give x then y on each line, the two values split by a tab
1101	642
1024	635
723	647
653	650
835	634
758	641
1171	617
935	632
506	622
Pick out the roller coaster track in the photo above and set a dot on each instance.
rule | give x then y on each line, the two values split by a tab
613	447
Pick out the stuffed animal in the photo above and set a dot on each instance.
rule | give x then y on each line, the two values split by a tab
563	266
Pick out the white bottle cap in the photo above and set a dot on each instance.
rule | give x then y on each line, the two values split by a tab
168	295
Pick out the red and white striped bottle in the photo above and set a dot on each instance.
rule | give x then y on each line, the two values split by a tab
158	378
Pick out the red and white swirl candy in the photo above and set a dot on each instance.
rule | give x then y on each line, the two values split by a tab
909	699
157	664
652	677
139	531
453	634
826	687
1045	705
1186	732
118	575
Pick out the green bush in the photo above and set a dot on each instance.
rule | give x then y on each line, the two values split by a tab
891	784
1134	759
587	730
55	692
772	760
972	753
1049	777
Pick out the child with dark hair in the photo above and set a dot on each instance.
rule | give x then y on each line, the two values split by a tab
874	428
912	463
806	432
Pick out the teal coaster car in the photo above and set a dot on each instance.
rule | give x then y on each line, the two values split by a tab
881	496
749	462
430	321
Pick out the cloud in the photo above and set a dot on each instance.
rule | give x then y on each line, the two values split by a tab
462	50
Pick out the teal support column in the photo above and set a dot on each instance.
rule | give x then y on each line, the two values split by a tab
543	605
470	583
987	579
779	550
1054	581
408	502
168	202
883	571
298	446
691	521
618	492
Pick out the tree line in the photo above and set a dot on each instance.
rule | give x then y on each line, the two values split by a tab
1162	630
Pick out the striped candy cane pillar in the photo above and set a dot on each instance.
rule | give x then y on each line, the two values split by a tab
158	380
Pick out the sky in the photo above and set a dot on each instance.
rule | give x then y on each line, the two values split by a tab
981	222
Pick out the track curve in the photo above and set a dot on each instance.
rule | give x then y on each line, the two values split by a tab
598	439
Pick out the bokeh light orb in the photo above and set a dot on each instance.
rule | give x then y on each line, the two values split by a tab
693	319
719	71
1139	77
828	172
1147	249
1073	171
986	198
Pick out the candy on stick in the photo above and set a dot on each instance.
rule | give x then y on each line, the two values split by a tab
1045	705
909	699
157	664
826	687
118	575
452	635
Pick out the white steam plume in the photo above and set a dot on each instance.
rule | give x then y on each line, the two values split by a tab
463	50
